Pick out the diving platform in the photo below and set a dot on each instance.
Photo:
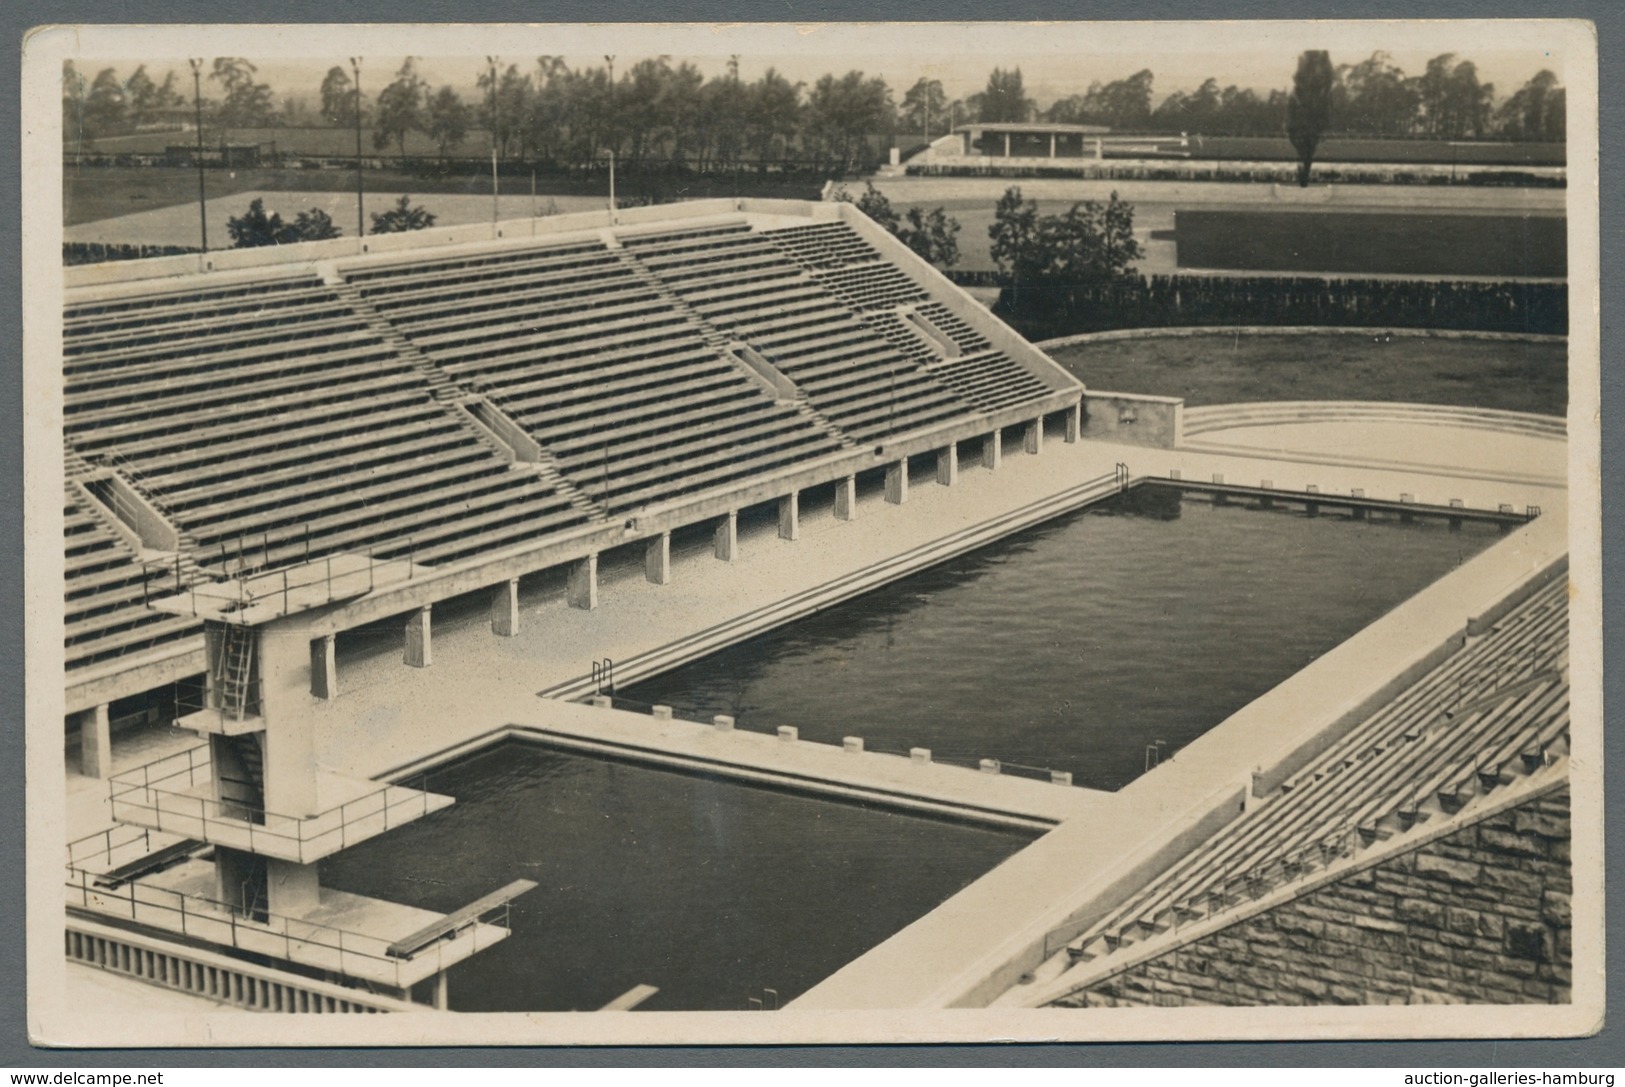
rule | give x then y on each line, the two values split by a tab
343	934
178	795
255	599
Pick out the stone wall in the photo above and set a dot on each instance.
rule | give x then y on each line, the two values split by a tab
1479	916
1133	419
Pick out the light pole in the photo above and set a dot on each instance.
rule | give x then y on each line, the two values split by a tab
360	194
611	62
496	104
197	102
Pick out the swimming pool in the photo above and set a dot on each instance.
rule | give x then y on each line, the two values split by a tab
714	891
1076	644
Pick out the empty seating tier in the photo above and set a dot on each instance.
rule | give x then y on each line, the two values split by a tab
743	284
271	430
106	614
1492	711
599	364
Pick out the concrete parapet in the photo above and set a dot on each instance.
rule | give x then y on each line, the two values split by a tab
603	702
1060	777
789	733
920	755
660	713
722	722
989	766
853	744
1133	419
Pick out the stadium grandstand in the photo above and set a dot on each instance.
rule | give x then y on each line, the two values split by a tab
267	449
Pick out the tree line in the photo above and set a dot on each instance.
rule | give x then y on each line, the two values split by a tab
658	109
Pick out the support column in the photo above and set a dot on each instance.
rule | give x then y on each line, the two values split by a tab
442	992
291	889
419	652
846	498
948	464
1035	435
581	590
657	559
1052	145
324	666
1007	145
1074	423
992	451
725	543
897	482
505	608
95	742
790	516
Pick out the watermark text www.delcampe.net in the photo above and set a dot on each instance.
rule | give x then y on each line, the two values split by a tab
90	1079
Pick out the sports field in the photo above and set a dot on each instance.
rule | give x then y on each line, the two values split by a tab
1235	368
1361	243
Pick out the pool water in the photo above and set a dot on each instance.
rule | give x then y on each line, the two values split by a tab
711	890
1077	644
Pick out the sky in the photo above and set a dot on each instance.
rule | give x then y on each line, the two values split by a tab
1056	59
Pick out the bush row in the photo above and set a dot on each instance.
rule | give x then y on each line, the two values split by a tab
1184	301
97	252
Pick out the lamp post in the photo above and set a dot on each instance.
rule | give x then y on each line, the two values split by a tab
611	62
197	102
360	194
496	104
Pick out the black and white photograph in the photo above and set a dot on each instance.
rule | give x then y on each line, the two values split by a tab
838	533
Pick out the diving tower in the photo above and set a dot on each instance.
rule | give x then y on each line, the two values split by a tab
221	842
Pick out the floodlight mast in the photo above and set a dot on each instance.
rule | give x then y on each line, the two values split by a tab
197	102
360	195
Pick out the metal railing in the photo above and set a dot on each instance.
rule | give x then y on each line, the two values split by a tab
152	796
343	951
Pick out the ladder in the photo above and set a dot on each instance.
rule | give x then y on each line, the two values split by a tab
236	666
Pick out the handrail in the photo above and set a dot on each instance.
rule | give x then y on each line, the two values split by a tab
137	795
222	923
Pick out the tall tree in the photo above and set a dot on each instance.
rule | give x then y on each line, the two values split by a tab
400	108
1309	108
1536	111
74	90
338	98
246	102
448	118
106	111
1375	98
1004	99
925	104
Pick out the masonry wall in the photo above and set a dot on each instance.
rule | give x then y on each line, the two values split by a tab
1480	916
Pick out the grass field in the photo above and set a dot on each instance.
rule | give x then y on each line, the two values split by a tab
1239	368
1390	243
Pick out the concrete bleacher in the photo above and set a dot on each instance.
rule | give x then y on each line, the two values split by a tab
105	596
268	423
742	284
630	396
1494	711
880	294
